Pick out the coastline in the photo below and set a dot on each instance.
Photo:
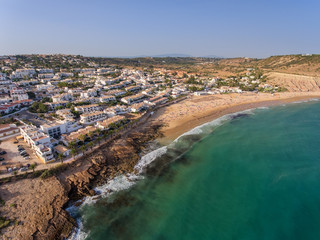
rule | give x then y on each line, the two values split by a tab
122	154
179	119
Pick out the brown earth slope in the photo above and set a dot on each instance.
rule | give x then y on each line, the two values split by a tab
295	83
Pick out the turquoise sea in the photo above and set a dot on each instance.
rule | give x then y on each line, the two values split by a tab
252	175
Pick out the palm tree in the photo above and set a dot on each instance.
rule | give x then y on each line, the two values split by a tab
98	131
71	144
91	134
82	137
99	140
90	145
105	135
60	157
83	148
33	166
73	152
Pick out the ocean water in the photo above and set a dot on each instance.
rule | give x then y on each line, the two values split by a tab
251	175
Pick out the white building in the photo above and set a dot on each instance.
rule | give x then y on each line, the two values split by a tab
18	94
22	73
107	98
92	117
89	93
39	142
56	129
62	97
88	108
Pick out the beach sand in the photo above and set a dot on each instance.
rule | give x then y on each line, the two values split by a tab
183	116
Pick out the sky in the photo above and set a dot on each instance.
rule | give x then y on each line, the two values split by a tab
226	28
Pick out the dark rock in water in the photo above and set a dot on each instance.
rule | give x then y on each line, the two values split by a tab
240	115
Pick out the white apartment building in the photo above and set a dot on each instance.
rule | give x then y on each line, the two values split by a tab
106	123
39	142
116	110
56	129
116	93
21	73
107	98
89	93
132	88
92	117
45	70
18	94
131	99
88	108
65	113
46	75
62	97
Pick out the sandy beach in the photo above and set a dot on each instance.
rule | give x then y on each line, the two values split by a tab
183	116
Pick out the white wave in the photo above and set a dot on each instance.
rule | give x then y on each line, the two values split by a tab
215	123
262	108
149	158
78	233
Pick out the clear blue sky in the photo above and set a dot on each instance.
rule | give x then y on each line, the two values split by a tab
228	28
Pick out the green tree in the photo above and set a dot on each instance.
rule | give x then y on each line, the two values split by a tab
73	152
83	148
82	137
72	144
33	166
90	145
60	157
99	140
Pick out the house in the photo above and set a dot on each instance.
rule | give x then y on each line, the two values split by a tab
116	110
92	117
65	113
138	107
88	108
22	73
106	123
107	98
62	97
8	130
132	88
18	94
74	136
133	98
60	149
116	93
89	93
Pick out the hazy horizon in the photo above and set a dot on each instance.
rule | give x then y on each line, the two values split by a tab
143	28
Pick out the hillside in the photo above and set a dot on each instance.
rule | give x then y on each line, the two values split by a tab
295	64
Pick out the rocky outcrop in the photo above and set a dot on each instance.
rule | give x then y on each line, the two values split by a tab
39	209
114	158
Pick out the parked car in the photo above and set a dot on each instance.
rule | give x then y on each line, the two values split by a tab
20	146
1	159
3	152
3	163
23	152
23	169
26	157
16	142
